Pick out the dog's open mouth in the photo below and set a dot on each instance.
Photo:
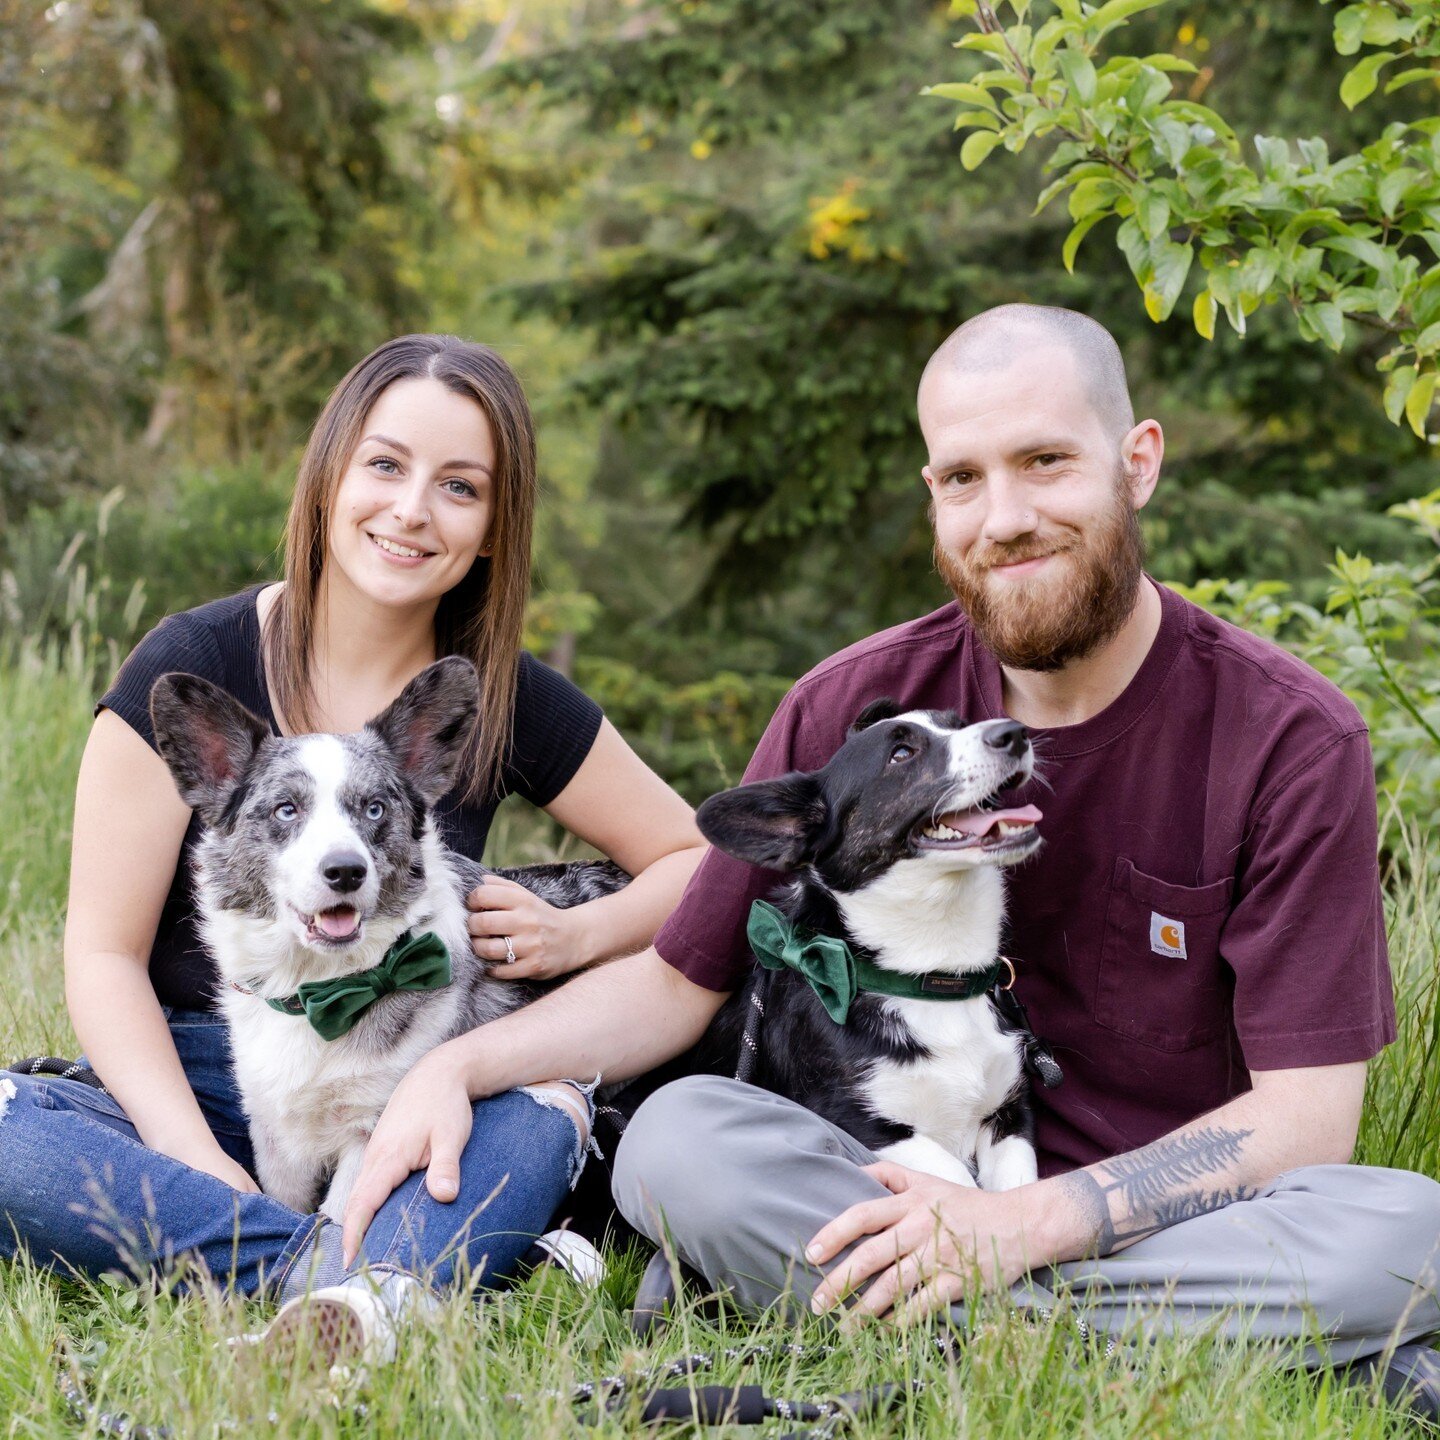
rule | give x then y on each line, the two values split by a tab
340	925
988	830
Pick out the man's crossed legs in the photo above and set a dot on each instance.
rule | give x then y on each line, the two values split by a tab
741	1180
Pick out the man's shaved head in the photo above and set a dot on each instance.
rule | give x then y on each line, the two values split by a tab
996	339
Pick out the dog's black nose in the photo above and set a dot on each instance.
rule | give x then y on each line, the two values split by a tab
1008	735
344	871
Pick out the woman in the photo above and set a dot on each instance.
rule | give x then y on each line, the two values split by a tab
408	538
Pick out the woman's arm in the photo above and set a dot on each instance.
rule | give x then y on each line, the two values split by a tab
616	803
129	827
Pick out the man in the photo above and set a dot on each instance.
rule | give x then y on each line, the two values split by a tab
1200	941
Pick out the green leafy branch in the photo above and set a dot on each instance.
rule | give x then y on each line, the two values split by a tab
1349	239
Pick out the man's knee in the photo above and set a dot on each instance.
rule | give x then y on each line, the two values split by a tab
682	1156
1383	1250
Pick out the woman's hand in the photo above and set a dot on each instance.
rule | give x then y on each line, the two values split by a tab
425	1125
544	941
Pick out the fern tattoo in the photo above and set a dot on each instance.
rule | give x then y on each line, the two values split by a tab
1148	1190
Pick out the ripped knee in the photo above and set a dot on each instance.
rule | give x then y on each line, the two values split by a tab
576	1098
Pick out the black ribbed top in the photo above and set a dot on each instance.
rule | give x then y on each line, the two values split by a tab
555	726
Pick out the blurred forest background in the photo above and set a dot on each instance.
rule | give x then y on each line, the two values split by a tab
717	238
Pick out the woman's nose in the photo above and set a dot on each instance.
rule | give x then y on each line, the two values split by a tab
411	504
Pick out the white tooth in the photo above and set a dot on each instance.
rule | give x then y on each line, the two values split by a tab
395	549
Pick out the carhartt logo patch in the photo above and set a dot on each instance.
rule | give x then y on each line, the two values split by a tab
1167	937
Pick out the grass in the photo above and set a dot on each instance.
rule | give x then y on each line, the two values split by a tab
156	1355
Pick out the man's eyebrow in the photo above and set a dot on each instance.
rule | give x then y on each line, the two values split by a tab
1018	452
404	449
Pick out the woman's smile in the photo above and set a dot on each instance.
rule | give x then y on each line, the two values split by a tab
399	551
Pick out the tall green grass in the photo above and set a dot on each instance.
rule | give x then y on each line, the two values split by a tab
161	1357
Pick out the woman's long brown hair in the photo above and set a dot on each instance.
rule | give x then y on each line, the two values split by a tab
482	617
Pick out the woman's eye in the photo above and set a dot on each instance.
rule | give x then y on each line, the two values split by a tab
375	810
385	466
285	811
899	753
461	487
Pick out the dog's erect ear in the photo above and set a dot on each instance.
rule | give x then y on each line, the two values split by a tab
206	737
774	823
885	709
428	724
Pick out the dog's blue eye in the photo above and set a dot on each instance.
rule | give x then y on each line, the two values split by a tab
899	753
285	812
374	810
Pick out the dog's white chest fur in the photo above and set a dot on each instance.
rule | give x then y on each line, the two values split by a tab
919	918
971	1071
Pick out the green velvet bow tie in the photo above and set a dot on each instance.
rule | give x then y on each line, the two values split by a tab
334	1007
837	974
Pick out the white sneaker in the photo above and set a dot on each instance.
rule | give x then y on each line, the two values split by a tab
575	1255
343	1329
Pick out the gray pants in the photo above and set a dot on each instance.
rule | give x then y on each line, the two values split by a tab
740	1180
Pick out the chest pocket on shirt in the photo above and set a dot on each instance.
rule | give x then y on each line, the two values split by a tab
1161	978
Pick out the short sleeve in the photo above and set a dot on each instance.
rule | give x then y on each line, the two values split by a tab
178	643
555	726
704	938
1306	936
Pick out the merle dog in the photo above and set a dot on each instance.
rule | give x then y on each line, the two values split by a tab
319	854
896	846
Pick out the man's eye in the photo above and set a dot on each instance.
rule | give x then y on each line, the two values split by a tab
1049	458
285	811
899	753
375	810
959	478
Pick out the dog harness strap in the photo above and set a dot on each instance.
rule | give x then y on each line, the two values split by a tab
837	974
334	1007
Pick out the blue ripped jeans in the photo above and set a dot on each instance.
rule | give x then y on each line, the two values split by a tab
80	1191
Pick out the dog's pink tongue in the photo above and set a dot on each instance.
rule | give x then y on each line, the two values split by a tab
337	923
982	822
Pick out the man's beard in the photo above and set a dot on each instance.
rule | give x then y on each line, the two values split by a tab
1046	622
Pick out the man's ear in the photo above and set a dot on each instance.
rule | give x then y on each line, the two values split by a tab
774	823
885	709
206	737
429	723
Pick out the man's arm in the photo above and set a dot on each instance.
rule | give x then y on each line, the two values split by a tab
928	1236
617	1020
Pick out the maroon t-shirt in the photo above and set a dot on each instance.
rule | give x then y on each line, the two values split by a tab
1207	900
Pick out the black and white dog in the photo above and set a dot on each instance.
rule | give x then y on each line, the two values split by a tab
318	856
896	847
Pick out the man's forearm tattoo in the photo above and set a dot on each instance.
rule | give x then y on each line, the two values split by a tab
1148	1190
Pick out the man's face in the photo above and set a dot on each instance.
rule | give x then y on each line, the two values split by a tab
1035	504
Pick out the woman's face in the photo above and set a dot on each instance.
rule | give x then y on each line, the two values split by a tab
414	506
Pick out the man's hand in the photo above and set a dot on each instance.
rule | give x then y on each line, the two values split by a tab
928	1238
424	1127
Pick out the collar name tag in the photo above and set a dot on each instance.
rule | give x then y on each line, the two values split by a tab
1167	937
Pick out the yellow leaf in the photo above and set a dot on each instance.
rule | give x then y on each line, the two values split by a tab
1204	315
1417	406
976	147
